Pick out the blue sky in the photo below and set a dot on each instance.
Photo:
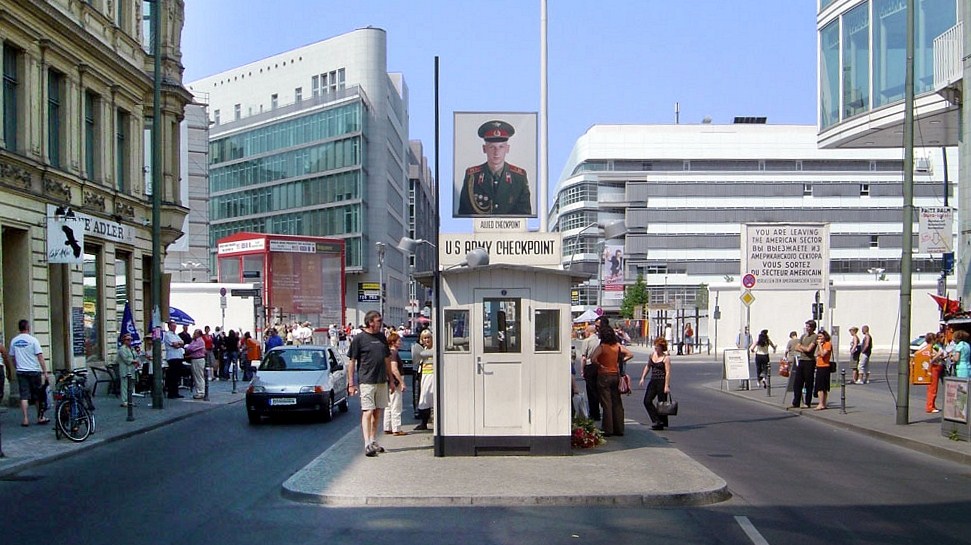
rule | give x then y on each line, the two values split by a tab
612	61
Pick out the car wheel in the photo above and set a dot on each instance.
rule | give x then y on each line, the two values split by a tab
327	408
342	405
254	417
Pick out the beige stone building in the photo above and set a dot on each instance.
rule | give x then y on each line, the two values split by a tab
77	106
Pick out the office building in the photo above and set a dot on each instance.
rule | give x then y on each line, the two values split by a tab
685	191
77	96
314	141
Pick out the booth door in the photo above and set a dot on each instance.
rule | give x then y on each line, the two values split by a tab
501	406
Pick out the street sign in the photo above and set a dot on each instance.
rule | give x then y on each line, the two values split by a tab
222	301
747	298
222	292
250	292
748	280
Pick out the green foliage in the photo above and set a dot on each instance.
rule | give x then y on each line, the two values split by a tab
634	296
701	296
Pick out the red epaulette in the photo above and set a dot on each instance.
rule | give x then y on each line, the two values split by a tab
516	170
473	170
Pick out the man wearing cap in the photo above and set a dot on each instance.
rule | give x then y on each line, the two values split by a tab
495	187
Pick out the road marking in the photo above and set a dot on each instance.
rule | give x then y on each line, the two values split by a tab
750	531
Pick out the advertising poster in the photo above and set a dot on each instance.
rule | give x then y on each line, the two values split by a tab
612	272
495	164
956	401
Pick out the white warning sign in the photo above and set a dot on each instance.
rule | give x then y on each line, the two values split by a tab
786	256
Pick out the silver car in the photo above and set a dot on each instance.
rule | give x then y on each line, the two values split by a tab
292	379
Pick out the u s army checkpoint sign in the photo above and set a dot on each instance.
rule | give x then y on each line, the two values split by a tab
786	256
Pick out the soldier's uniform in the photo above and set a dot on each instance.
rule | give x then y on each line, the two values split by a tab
501	193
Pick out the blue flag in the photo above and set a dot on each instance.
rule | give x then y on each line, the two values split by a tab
128	326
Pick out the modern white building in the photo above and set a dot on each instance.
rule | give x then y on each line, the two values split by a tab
314	141
685	192
862	61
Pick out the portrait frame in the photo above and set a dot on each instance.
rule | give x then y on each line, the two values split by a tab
467	152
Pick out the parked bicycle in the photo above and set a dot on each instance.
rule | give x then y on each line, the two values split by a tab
73	407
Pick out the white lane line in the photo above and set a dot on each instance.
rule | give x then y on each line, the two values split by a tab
750	531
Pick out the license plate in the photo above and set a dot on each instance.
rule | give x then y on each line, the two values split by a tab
283	401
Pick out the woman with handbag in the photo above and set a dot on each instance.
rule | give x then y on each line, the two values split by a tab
761	350
659	386
608	357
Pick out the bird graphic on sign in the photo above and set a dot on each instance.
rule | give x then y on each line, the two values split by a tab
71	241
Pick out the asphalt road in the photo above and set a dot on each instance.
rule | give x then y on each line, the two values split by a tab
214	479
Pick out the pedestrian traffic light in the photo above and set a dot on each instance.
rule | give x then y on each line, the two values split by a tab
817	311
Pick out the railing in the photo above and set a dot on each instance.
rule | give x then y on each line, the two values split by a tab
948	52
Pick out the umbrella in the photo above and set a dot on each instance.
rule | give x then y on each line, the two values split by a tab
179	317
588	316
422	320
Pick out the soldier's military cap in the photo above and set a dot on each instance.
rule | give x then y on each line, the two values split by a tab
496	131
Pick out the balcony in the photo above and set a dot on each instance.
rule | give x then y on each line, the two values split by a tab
948	66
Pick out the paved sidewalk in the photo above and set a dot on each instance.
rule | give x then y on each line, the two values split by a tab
871	409
26	447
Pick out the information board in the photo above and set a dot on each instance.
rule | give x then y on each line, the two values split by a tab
77	331
936	231
784	256
736	364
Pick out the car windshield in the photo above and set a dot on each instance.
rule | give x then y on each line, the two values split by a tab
295	360
407	342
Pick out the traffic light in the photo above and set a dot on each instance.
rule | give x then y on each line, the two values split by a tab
817	311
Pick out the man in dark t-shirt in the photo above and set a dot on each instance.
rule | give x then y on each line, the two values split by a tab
368	373
805	366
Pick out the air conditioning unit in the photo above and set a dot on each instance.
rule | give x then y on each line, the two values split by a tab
923	165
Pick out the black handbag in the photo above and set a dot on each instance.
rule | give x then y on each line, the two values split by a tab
667	408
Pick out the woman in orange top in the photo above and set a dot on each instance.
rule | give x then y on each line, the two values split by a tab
608	357
824	351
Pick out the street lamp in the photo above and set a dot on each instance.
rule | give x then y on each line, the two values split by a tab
876	272
410	245
380	247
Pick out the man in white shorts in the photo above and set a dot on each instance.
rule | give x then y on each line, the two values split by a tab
368	372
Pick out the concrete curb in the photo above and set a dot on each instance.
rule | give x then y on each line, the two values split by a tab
90	443
333	479
899	440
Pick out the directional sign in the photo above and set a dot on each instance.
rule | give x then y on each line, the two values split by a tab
747	298
253	292
748	280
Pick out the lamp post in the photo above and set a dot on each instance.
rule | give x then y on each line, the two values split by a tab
380	247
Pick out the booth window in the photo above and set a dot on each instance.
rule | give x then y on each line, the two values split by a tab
501	325
457	332
547	323
93	345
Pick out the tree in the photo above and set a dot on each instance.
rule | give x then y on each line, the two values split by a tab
634	296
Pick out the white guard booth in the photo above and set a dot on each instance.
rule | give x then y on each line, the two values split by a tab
505	373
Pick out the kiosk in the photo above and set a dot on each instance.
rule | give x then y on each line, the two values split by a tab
505	377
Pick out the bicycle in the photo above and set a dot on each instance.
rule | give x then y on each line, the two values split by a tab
73	408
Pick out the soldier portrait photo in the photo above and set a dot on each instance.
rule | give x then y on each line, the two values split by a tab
497	187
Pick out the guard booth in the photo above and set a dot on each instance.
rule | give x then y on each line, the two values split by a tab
505	377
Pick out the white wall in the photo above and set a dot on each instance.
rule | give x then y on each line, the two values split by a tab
874	303
201	302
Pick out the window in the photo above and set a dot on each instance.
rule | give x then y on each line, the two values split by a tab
237	111
807	190
323	84
333	81
274	99
340	79
856	60
147	25
457	331
501	325
215	116
122	151
55	99
829	84
11	91
93	333
91	133
121	14
864	190
298	94
547	330
315	86
874	241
